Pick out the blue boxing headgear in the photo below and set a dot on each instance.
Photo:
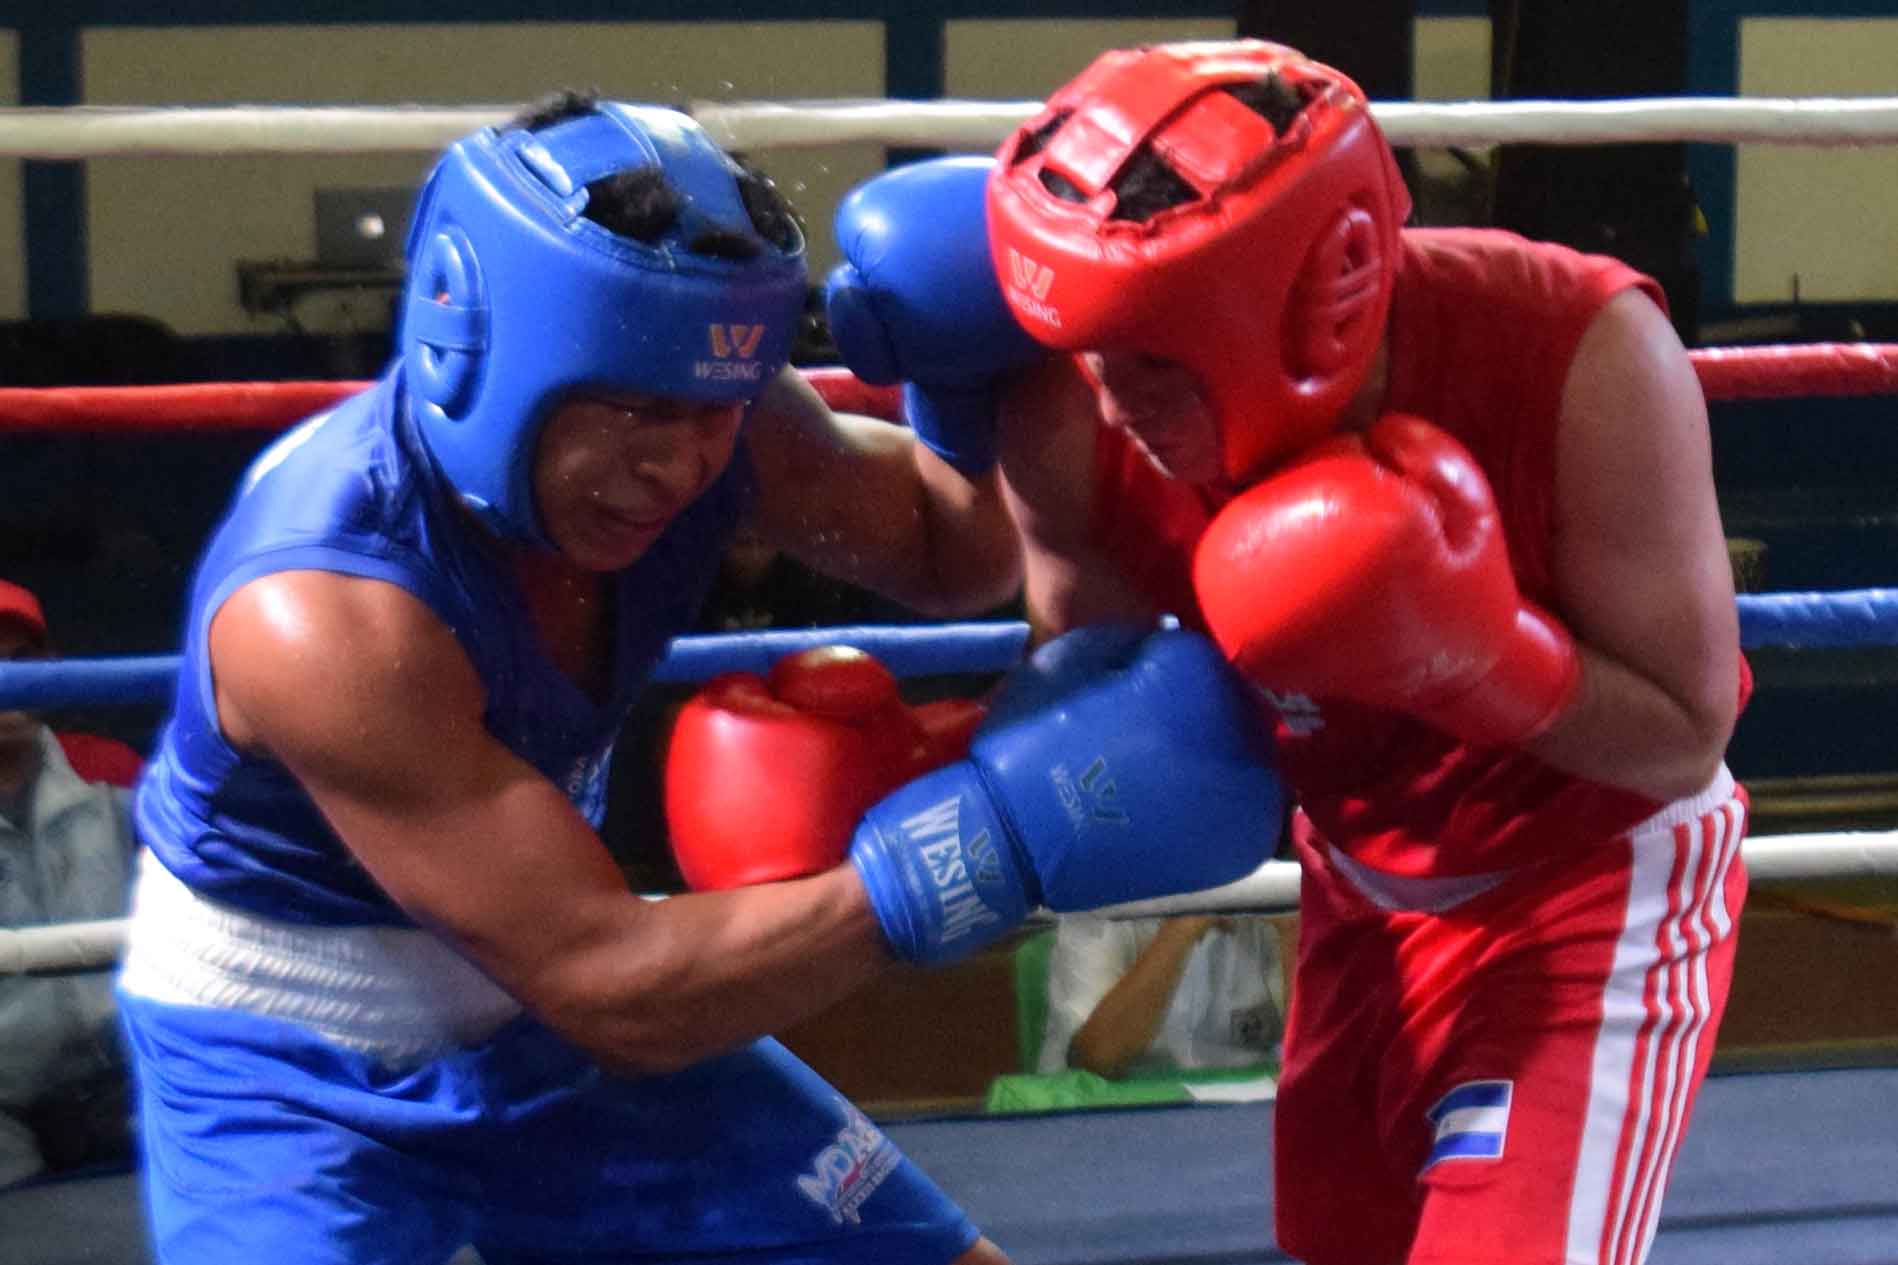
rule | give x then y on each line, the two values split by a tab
515	297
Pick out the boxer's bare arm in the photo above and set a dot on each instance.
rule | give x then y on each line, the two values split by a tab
368	700
859	499
1048	432
1640	563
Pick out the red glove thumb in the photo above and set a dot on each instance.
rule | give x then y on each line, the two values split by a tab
1440	466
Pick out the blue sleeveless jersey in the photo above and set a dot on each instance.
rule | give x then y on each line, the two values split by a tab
353	491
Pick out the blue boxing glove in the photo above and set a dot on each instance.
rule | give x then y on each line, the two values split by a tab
1115	766
918	303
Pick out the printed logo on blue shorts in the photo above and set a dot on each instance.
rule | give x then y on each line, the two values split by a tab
848	1171
1471	1122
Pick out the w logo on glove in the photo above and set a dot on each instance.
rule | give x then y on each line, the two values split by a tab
984	862
1092	796
1094	751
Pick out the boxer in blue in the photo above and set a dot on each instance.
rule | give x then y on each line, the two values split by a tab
387	993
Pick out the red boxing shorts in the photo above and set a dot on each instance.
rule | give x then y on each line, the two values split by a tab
1502	1069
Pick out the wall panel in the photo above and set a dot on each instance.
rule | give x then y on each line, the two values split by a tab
164	234
1819	222
1026	59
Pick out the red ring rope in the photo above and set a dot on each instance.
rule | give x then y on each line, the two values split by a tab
1726	373
1776	373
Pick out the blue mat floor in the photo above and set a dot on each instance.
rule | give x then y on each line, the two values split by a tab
1778	1169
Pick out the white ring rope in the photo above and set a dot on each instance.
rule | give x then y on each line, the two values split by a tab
80	132
1770	859
69	132
1819	121
61	948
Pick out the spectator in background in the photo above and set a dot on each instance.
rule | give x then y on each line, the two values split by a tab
1141	996
94	757
65	853
98	758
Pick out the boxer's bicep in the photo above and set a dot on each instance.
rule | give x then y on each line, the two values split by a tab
858	499
371	705
1049	430
1639	555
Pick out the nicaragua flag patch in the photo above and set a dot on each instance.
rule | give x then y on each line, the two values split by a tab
1471	1122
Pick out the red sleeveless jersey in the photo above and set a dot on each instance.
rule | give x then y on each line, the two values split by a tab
1484	325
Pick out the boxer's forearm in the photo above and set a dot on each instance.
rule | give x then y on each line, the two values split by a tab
1626	730
669	983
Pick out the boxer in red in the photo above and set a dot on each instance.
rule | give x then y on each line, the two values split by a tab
1446	497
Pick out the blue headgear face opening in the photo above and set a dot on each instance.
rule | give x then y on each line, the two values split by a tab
514	297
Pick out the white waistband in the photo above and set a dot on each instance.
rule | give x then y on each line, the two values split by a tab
397	993
1428	894
1434	894
1692	807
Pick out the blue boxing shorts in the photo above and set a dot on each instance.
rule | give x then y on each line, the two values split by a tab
266	1144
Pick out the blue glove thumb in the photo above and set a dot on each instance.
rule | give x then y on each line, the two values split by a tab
857	327
1062	665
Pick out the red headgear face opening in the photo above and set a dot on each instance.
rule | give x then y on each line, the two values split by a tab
1228	206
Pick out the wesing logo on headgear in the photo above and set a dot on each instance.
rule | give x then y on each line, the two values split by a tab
1028	283
734	353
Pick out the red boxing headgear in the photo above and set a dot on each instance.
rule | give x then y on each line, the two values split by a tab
1268	273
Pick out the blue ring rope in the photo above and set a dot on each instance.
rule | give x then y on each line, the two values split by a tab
1855	618
1818	620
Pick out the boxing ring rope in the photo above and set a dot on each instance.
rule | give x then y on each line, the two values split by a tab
1770	859
1726	374
1865	617
67	948
1817	121
83	132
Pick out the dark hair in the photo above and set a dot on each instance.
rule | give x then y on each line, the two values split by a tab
771	214
1272	99
1147	185
1037	139
563	103
639	204
643	205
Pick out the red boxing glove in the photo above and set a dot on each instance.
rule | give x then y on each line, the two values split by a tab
948	726
1376	570
766	778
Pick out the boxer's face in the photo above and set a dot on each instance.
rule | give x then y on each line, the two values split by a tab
1161	405
613	471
